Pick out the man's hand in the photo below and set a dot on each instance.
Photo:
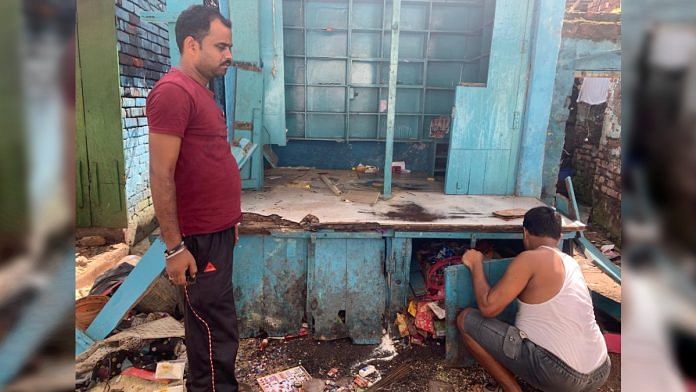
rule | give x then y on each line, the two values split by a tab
471	257
178	265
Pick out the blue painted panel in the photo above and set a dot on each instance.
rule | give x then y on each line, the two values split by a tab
46	312
247	281
271	14
546	45
459	294
366	290
284	284
398	271
487	117
249	86
327	298
129	293
346	288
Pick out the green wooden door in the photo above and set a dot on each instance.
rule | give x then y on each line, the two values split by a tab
99	139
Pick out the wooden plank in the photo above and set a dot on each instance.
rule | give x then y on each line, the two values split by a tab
82	342
84	217
272	57
247	281
284	284
398	269
366	290
102	108
546	45
43	315
601	261
130	292
327	303
459	294
331	185
391	98
607	305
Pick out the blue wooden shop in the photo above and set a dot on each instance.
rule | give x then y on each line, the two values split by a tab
460	91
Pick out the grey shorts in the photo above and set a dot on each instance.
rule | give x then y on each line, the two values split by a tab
532	363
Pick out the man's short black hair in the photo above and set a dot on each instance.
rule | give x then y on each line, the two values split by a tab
195	22
543	222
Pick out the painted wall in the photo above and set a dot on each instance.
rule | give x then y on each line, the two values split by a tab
590	43
143	53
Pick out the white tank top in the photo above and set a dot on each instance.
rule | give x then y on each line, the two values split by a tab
565	325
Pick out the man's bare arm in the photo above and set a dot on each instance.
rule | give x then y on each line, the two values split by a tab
164	152
492	301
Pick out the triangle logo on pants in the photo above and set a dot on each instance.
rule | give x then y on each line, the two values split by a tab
210	267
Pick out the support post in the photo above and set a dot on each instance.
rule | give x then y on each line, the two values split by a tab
391	103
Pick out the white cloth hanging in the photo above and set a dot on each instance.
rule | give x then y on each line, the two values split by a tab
594	91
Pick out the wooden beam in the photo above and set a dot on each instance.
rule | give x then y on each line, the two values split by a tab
391	101
331	185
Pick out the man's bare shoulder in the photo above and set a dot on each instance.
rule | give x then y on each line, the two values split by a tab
530	257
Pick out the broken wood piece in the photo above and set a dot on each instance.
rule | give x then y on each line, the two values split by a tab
512	213
364	197
331	185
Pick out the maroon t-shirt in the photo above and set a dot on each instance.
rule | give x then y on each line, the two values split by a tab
208	185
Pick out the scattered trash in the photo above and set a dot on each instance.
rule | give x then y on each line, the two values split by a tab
412	308
333	372
304	332
284	381
361	381
439	312
263	344
609	250
170	370
402	324
367	370
424	318
399	167
140	373
440	328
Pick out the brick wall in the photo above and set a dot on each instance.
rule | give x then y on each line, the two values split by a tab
583	144
595	144
143	54
606	192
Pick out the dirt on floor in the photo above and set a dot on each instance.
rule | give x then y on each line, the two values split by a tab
425	364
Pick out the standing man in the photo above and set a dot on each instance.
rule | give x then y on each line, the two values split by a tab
555	344
196	190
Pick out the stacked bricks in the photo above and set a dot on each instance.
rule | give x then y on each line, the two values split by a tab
606	192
